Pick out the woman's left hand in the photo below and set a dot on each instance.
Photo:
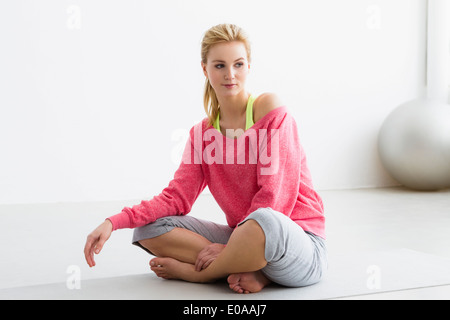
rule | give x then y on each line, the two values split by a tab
208	255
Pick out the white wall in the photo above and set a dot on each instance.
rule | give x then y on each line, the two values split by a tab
93	94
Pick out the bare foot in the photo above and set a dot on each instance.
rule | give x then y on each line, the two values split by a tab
249	282
170	269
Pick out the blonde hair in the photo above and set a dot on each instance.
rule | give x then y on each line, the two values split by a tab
219	34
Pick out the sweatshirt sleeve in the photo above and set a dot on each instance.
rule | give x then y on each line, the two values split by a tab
279	167
177	199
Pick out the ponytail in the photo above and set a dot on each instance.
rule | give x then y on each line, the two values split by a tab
211	103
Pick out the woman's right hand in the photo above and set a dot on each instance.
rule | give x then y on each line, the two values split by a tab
208	255
96	240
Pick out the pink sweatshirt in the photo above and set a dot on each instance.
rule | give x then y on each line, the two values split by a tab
265	167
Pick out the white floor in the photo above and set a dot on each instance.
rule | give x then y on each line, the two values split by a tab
43	244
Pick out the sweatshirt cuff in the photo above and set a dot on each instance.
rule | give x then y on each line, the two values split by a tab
120	221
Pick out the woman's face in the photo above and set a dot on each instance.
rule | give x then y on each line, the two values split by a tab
227	68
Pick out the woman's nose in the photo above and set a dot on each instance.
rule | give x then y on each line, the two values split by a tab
230	74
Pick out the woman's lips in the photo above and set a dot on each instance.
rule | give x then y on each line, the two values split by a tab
229	86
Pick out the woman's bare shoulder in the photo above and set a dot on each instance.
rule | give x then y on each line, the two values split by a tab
264	104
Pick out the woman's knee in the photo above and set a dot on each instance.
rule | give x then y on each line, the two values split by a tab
276	227
250	236
267	218
253	228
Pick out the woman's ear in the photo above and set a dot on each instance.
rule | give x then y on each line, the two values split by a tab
204	70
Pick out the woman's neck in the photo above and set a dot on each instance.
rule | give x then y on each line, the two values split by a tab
233	107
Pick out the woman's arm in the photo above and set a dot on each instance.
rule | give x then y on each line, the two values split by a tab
279	167
177	199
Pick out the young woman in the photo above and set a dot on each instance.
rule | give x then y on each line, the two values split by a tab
248	153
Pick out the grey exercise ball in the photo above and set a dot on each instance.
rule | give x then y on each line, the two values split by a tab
414	145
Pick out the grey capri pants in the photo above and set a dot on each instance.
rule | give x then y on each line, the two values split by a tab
295	258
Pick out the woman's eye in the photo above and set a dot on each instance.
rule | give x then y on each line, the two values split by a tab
219	66
238	65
